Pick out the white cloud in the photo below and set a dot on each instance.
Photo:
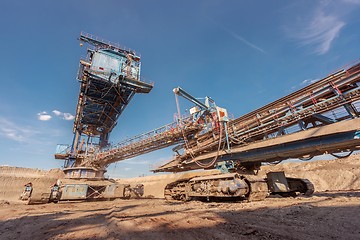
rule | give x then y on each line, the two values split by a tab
321	31
68	116
14	132
352	1
304	83
309	81
238	37
136	161
318	29
14	135
57	113
65	116
44	116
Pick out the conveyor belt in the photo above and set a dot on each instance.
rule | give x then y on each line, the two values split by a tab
337	137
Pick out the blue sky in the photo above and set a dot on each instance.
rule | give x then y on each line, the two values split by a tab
243	54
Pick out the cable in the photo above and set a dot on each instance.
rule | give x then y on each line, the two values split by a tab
306	158
186	142
275	163
217	154
180	124
339	156
235	140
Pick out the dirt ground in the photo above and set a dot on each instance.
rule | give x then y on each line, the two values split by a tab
333	212
329	215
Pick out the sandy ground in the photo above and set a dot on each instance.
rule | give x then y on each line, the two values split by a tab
332	213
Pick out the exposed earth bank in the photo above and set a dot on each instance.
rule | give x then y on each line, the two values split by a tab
13	179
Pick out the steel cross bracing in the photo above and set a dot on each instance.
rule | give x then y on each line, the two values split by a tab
101	102
109	77
102	98
159	138
304	109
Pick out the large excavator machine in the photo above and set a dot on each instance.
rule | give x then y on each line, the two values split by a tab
321	118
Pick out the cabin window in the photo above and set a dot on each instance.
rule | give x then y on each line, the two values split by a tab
102	62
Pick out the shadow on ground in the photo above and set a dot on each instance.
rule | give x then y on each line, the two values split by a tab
318	218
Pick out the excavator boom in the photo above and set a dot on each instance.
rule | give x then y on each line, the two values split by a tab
320	118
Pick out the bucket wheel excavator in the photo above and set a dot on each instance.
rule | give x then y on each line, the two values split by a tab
321	118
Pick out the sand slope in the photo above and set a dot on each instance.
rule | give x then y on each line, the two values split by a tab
13	179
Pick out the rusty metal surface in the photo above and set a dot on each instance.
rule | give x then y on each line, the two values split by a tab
309	109
300	144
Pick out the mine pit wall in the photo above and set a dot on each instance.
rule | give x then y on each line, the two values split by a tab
326	175
13	179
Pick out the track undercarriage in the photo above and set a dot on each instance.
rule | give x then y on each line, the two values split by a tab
80	190
237	186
